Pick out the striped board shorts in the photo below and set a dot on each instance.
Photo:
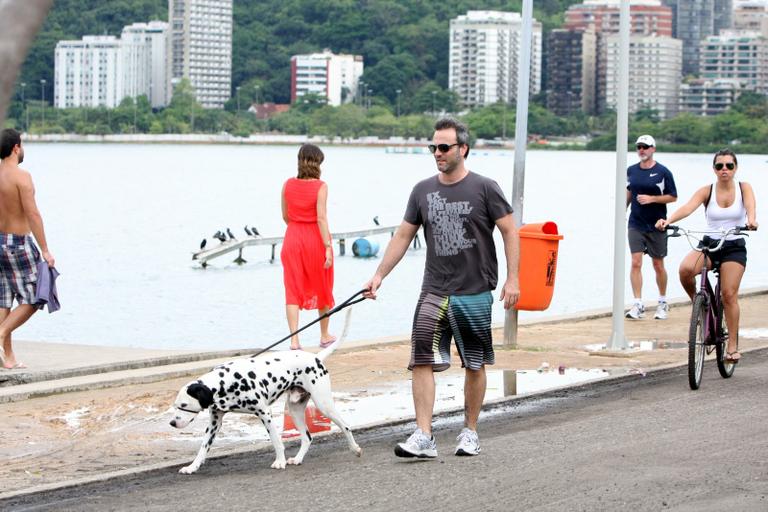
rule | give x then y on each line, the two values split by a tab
18	269
465	318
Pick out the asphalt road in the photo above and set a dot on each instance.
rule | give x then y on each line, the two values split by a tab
646	443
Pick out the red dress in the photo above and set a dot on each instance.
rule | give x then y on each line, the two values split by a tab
307	283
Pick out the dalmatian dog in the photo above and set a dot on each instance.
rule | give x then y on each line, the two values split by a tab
250	386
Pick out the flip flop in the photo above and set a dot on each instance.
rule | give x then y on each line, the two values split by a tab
328	343
730	359
18	366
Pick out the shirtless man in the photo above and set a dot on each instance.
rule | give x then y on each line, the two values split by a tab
18	254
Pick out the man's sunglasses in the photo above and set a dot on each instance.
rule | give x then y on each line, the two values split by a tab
442	147
643	146
730	166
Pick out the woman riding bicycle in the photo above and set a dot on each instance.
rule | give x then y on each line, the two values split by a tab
727	203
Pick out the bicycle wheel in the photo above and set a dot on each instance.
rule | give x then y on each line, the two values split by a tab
725	368
696	341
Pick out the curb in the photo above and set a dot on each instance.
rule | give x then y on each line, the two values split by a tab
13	389
499	403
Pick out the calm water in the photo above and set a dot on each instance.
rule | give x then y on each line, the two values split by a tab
123	221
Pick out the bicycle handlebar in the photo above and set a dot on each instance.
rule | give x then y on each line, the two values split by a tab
679	231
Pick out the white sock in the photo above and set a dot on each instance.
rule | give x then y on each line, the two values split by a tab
662	299
638	301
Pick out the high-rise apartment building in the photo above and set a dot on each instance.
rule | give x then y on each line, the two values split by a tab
654	76
103	70
647	18
200	48
696	20
571	71
736	55
330	76
484	53
750	15
704	97
144	54
88	73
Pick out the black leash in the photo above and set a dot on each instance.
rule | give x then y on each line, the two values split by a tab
350	301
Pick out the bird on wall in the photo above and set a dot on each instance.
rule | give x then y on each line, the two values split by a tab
231	236
376	220
247	231
220	236
255	231
202	244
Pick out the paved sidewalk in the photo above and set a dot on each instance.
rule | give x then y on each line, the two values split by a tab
58	368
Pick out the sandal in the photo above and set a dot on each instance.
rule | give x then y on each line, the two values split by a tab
327	343
732	357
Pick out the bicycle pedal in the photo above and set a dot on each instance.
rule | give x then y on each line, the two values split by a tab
710	348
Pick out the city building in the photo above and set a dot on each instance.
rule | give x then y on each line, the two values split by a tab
654	76
144	53
100	71
704	97
696	20
200	48
267	110
571	71
330	76
483	57
647	18
750	15
736	55
88	73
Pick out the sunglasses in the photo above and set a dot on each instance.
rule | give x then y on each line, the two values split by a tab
643	146
442	147
730	166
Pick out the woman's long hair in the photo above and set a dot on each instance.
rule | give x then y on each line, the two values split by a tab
310	158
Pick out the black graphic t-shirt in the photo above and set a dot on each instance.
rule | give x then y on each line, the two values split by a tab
458	222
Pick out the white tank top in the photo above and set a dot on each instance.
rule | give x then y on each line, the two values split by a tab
719	218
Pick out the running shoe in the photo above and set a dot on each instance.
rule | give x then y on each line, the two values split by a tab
661	311
469	444
418	445
636	312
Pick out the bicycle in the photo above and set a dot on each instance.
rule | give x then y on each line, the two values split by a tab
706	332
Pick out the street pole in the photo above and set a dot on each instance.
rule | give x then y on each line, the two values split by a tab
238	99
23	106
42	110
521	138
398	101
434	93
618	341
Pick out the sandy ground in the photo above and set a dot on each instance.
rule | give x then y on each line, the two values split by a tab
65	437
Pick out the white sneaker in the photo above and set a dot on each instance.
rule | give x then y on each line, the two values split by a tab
469	444
661	311
636	312
418	445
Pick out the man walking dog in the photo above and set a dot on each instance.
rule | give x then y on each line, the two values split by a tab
459	211
18	253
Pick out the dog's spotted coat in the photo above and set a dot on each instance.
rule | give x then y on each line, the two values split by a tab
250	386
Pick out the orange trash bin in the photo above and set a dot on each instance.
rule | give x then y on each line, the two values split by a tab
538	265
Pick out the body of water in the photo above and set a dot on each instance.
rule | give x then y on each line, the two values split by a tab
124	220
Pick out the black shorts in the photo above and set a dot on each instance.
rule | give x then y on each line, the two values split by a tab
732	250
653	243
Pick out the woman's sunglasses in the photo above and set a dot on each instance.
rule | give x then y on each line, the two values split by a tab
442	147
730	166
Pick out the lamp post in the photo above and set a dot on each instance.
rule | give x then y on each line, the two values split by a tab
370	92
398	102
361	95
434	93
23	105
237	89
257	88
42	111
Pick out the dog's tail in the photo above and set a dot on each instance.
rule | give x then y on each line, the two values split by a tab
323	354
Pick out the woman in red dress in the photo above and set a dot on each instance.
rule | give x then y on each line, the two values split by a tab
307	253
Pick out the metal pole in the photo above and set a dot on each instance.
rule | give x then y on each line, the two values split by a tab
618	341
42	114
23	106
521	137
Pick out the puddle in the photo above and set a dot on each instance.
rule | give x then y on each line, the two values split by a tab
384	402
754	333
641	346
